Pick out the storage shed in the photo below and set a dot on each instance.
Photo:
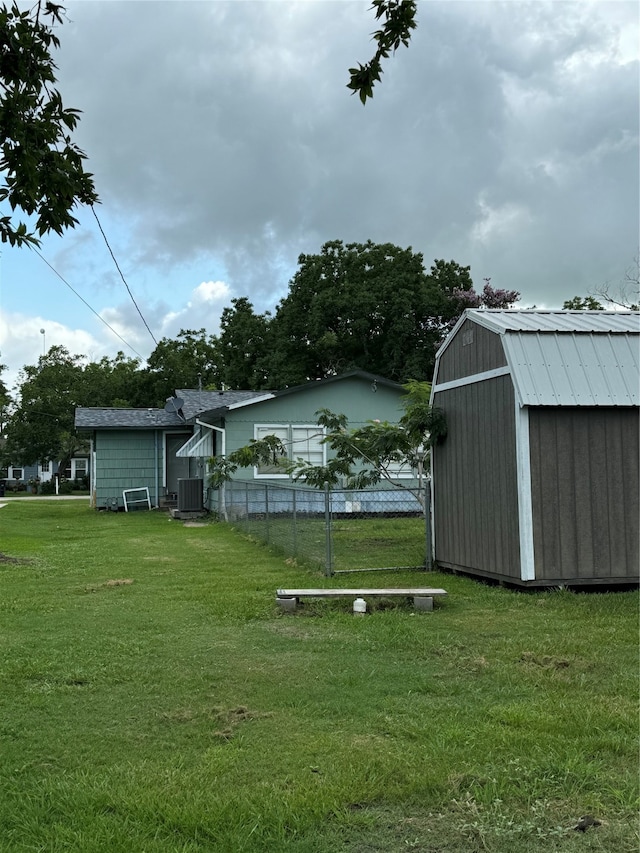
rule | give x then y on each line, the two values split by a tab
537	482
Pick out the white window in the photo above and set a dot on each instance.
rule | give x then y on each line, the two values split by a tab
281	432
79	468
45	467
301	442
306	444
401	471
15	473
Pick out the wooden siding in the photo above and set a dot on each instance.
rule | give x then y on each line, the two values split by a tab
475	481
126	460
474	349
585	493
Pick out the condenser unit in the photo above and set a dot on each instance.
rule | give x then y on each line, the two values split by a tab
190	493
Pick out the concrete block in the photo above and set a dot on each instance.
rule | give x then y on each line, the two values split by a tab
287	604
423	602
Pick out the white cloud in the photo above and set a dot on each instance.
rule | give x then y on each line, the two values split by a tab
212	291
22	343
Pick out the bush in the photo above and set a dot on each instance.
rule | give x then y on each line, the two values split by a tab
48	487
65	487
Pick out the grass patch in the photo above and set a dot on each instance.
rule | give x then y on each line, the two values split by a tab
154	698
356	543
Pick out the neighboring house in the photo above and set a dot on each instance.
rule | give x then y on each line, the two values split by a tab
537	482
76	469
154	448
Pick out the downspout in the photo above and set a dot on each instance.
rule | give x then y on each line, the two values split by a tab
155	466
92	473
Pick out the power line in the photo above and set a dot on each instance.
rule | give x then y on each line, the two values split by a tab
121	275
82	299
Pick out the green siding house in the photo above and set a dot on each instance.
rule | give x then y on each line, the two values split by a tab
156	448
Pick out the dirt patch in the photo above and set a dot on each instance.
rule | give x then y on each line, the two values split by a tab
5	558
96	587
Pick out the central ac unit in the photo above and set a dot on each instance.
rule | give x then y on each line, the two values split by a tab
190	495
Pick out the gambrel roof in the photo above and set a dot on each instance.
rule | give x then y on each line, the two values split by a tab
566	358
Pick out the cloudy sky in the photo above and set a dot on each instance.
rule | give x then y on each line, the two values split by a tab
224	143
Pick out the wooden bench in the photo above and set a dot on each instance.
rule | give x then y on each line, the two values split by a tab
422	596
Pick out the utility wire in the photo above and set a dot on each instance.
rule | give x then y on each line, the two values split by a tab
82	299
93	210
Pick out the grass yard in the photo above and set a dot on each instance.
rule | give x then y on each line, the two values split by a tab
154	699
356	543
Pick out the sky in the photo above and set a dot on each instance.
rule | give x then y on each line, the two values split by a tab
224	143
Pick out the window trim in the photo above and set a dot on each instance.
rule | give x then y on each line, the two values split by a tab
288	427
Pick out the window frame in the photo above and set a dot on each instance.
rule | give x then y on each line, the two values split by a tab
260	430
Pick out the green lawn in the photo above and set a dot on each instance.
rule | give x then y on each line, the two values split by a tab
178	710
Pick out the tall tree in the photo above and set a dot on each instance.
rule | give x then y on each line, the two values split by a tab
244	346
369	306
42	169
5	403
187	361
359	305
41	425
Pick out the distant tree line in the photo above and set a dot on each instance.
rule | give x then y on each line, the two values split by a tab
366	306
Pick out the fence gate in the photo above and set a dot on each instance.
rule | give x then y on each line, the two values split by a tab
339	530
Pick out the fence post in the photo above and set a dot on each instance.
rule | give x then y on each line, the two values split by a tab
328	569
427	516
266	511
295	524
246	506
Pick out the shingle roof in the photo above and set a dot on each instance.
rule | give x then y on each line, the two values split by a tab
196	402
95	418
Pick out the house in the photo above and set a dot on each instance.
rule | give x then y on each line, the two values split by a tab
537	482
155	448
77	468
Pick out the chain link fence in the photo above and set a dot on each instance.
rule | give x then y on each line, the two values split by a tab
338	530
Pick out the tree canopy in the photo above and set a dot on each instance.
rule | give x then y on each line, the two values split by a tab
42	169
189	360
41	424
369	306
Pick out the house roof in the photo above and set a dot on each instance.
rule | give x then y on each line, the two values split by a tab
260	396
567	358
199	403
103	418
196	402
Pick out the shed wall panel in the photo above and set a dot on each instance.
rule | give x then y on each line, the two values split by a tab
475	480
585	491
474	349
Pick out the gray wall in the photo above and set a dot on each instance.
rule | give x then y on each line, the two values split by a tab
585	493
475	483
473	350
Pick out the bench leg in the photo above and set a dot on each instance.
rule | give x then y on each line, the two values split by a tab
287	604
423	602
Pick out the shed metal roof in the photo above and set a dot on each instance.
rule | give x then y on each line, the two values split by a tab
502	321
569	369
567	358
